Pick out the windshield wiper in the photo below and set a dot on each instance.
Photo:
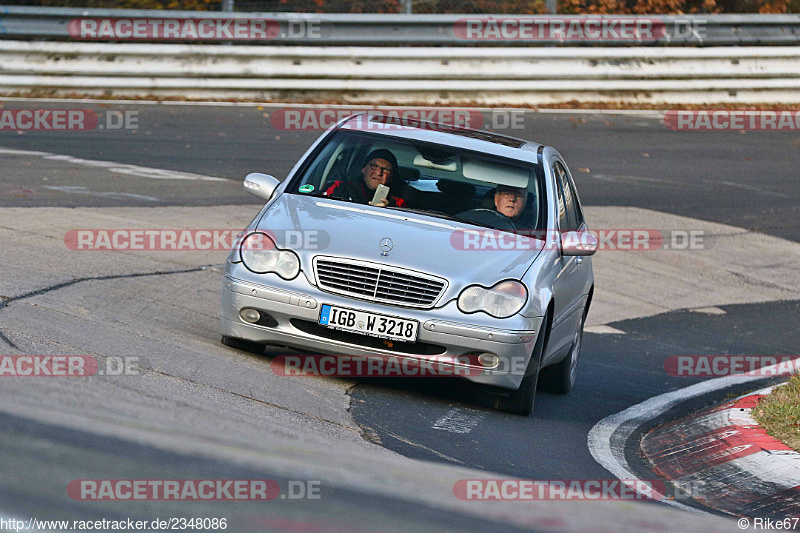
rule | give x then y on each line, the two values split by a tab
441	214
336	198
438	214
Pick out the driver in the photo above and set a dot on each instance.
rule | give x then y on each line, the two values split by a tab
379	168
510	201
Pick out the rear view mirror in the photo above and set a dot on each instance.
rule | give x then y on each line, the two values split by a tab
261	185
578	243
449	165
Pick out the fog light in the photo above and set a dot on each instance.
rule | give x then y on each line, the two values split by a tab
249	315
489	360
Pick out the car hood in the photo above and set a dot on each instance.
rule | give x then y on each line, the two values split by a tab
318	226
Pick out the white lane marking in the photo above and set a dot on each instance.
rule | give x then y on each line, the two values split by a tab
106	194
460	421
20	152
642	180
607	438
430	450
746	187
659	182
119	168
603	330
709	310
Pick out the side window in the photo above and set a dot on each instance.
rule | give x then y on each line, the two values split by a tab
575	201
574	217
563	220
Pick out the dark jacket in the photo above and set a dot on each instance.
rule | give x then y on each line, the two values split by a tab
356	190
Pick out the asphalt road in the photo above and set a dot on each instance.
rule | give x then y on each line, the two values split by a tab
746	180
615	372
33	491
742	179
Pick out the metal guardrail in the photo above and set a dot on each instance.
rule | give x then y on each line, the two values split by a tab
489	76
19	22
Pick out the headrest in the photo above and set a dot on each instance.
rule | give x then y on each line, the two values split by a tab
407	173
455	188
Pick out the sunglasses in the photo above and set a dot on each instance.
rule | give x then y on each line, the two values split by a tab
384	170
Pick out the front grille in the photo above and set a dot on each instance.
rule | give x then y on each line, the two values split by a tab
378	283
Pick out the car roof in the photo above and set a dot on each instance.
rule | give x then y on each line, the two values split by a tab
445	134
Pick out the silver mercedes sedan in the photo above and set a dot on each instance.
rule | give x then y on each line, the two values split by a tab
419	241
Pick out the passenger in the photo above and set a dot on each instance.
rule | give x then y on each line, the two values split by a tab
380	167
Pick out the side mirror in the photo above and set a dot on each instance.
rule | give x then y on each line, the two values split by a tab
578	243
261	185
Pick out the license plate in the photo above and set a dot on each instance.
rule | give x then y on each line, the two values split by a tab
374	325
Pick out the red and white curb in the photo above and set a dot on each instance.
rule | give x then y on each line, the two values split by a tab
608	439
725	460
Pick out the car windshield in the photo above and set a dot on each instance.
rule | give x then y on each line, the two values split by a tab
435	180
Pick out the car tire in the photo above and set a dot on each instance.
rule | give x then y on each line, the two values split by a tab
520	401
241	344
560	378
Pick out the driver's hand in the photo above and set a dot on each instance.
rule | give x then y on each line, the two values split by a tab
381	203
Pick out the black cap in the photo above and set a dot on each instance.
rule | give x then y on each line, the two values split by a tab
383	153
509	188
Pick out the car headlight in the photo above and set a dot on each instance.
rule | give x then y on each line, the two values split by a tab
501	301
260	254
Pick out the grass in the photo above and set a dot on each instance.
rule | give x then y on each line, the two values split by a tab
779	413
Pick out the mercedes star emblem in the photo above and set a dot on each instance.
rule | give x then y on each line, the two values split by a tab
386	245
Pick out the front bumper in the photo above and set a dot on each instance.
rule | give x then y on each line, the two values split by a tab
441	338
